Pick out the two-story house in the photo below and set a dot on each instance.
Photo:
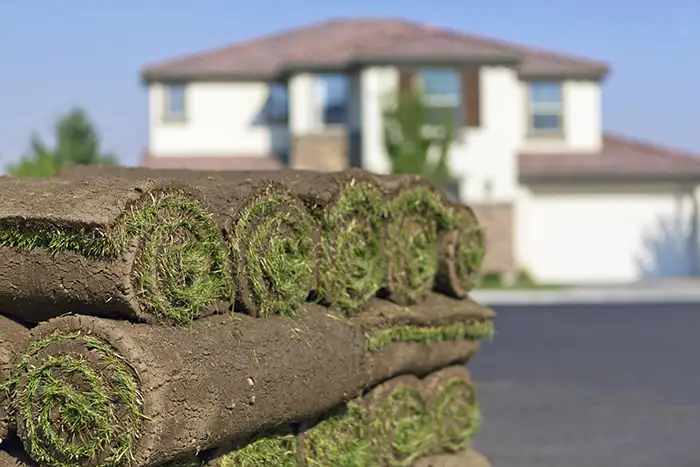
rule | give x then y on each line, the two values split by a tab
556	194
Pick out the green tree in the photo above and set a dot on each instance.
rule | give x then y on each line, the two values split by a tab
408	144
77	143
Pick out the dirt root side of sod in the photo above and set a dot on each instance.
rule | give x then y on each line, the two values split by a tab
147	251
395	424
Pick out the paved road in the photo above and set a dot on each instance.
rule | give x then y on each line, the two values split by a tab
592	386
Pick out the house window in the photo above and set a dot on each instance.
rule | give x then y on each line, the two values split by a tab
442	94
175	101
278	103
546	106
333	98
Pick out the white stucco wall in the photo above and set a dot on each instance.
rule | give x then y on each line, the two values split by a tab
605	234
583	120
222	118
484	158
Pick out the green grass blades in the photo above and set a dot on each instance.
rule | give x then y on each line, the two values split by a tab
475	330
351	265
272	248
457	415
76	402
341	440
410	243
275	451
404	428
470	249
181	267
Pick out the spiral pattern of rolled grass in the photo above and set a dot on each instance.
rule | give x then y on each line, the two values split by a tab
452	400
147	251
461	252
351	267
273	239
76	402
416	216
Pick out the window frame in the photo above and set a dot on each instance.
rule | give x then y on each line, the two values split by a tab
547	108
168	113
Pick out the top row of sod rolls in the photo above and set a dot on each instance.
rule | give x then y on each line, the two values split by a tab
133	245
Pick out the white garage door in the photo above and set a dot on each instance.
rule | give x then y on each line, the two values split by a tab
584	236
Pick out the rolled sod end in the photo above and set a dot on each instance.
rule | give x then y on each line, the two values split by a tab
416	214
454	406
272	242
341	439
180	269
403	426
461	252
351	267
145	251
76	402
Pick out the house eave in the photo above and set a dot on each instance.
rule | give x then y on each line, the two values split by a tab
683	177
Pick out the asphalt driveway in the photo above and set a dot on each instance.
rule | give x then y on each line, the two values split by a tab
591	386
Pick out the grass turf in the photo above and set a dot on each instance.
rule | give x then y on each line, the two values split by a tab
73	412
475	330
457	415
272	249
277	451
351	265
470	250
341	440
181	267
415	217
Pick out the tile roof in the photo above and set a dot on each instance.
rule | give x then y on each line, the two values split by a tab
341	43
619	157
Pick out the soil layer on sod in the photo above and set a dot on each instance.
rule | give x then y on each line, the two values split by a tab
270	234
14	339
146	251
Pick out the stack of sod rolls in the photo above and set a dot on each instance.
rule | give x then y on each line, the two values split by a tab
150	318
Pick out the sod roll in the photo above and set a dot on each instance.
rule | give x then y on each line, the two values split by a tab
461	252
410	241
147	251
14	339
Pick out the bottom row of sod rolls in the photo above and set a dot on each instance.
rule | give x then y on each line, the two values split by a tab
395	424
97	392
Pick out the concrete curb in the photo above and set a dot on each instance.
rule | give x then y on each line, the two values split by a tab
584	296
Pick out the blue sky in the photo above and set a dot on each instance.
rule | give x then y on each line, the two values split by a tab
57	54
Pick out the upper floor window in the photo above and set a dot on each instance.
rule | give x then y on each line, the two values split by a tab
333	98
442	94
278	103
175	101
546	106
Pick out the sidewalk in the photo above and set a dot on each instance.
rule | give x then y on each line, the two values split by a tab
662	291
